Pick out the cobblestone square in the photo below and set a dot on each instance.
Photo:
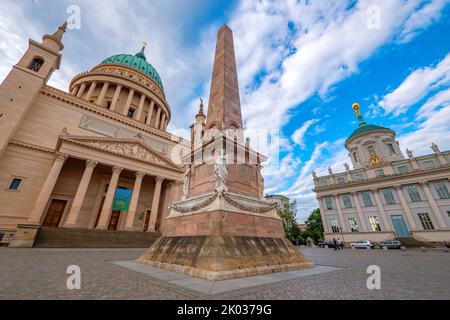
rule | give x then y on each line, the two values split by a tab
41	274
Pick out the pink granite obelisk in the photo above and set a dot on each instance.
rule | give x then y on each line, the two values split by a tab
223	228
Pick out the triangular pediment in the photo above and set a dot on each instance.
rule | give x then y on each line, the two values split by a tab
129	148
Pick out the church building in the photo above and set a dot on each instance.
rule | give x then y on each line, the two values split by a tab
97	157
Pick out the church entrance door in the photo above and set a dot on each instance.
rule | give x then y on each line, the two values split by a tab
114	221
54	213
147	220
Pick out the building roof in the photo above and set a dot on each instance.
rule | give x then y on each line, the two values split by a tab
138	62
364	127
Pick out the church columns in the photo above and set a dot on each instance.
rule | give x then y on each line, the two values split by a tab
47	188
361	218
91	91
74	90
434	206
155	204
128	103
115	98
101	97
163	122
77	203
107	205
157	118
141	107
150	113
134	201
82	89
405	207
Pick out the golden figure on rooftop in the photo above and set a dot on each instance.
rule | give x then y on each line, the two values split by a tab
355	107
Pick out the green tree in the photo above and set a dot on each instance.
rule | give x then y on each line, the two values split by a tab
314	226
288	212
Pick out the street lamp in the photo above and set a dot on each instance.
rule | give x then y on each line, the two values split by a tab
342	234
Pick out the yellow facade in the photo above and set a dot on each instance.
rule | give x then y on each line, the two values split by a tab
63	155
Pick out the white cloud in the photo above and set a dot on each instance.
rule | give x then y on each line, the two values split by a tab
299	135
441	99
327	154
329	44
422	19
416	86
435	129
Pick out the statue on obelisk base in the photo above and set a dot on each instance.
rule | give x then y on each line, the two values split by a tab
221	172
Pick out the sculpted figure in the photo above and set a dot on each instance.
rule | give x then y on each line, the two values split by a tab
221	170
186	177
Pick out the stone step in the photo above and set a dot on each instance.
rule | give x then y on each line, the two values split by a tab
414	243
86	238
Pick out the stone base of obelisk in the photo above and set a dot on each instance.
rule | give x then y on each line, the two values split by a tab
221	239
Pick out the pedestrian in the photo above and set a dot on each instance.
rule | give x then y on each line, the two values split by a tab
334	244
339	244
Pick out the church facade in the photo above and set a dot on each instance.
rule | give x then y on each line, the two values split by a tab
97	157
386	195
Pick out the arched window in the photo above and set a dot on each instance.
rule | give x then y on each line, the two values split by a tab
36	64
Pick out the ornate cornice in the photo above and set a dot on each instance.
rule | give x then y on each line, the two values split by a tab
89	106
386	178
31	146
131	149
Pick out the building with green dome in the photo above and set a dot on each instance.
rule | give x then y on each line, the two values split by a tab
77	166
385	196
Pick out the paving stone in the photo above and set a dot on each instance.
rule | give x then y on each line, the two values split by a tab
41	274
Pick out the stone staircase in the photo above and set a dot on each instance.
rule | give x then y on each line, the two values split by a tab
414	243
86	238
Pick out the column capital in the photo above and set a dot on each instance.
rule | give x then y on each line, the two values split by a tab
335	195
374	190
179	182
159	179
91	163
354	193
398	187
423	183
140	174
117	170
61	156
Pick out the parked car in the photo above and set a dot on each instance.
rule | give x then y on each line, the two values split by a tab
447	244
391	244
362	244
326	244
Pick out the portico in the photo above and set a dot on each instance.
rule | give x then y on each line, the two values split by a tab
81	186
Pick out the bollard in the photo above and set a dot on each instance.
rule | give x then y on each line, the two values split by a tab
445	249
403	248
385	248
369	248
423	249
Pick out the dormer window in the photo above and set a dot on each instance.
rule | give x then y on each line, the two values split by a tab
36	64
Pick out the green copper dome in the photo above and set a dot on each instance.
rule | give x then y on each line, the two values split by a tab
363	126
138	62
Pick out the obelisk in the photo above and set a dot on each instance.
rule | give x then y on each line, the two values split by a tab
223	228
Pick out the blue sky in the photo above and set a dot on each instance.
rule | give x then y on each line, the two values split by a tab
301	66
